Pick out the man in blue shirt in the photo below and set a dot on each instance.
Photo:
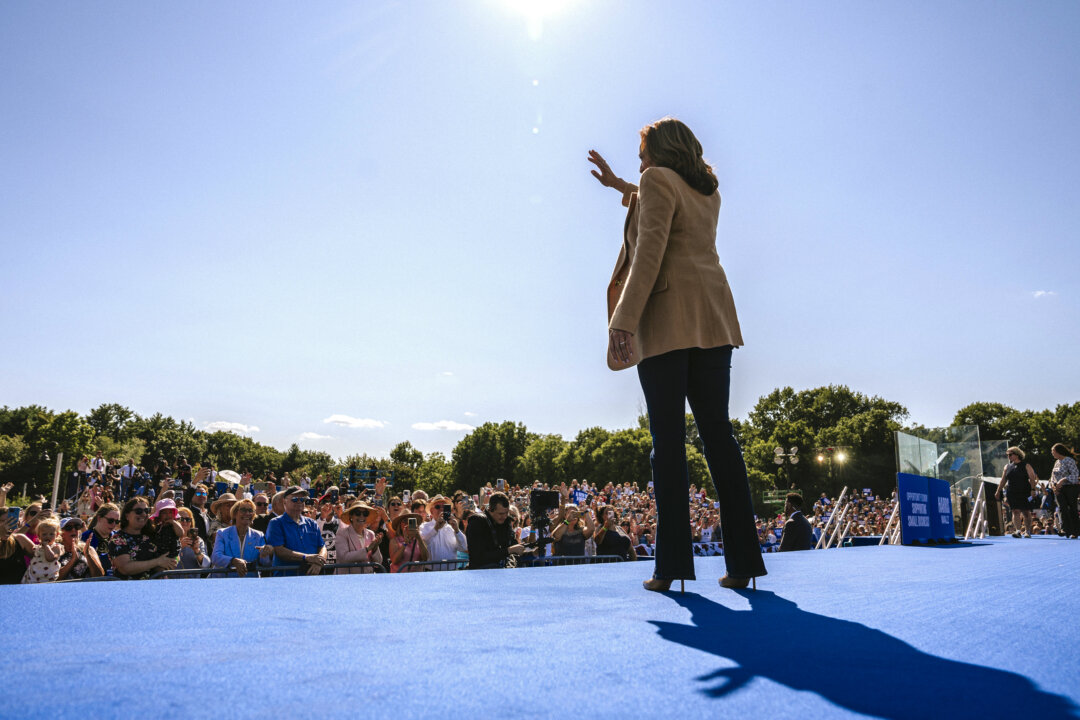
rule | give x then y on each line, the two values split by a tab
296	539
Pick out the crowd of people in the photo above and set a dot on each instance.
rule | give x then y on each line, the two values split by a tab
131	524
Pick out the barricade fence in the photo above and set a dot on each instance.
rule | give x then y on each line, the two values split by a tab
263	570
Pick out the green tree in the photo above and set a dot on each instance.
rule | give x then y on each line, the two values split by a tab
435	475
624	457
489	452
112	419
541	461
12	451
577	457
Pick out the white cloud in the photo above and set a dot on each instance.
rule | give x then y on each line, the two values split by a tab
469	414
349	421
233	427
314	436
442	425
446	373
1043	293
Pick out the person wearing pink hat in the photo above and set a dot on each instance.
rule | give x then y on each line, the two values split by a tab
164	528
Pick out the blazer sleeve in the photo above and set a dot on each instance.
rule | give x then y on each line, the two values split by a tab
221	557
787	538
656	208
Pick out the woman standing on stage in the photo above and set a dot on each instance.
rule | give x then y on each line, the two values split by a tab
1065	483
671	313
1018	484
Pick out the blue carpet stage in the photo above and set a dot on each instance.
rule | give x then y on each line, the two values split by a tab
980	631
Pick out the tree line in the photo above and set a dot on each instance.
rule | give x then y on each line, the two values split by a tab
833	417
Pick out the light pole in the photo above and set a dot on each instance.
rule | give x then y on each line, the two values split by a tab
781	458
830	455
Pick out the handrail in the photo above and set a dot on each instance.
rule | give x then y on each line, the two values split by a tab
894	515
832	516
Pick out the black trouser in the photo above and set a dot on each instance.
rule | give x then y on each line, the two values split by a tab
704	378
1070	523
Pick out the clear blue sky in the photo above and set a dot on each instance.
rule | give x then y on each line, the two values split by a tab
272	214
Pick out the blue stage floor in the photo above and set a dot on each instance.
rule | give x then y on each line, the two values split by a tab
980	631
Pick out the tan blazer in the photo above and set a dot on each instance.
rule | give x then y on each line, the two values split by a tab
668	287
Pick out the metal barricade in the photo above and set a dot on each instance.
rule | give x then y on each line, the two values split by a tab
560	560
89	579
432	566
264	571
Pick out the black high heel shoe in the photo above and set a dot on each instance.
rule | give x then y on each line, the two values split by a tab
659	585
737	583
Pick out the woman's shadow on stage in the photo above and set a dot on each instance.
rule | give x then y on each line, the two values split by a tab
851	665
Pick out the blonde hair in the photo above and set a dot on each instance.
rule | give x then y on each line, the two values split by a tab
249	504
1015	451
185	512
670	143
49	522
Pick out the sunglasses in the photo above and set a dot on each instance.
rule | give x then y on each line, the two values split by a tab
261	504
140	511
297	498
31	513
111	521
185	520
73	528
200	494
360	513
395	504
441	507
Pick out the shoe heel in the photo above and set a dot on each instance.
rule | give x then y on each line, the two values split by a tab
682	586
754	581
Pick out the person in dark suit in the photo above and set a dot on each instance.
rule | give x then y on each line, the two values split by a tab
797	532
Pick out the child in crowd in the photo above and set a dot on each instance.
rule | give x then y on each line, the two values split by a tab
45	565
166	530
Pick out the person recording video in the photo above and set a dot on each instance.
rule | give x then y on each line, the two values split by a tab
489	536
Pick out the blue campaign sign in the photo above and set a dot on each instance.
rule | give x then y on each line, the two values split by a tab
221	488
914	495
580	496
941	515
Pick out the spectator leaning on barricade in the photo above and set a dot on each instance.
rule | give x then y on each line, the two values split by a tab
134	555
45	562
355	542
193	553
240	547
75	563
406	545
442	533
490	536
571	531
296	539
102	526
15	549
610	539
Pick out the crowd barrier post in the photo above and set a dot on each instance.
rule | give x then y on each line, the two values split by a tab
894	516
56	479
977	513
561	560
832	516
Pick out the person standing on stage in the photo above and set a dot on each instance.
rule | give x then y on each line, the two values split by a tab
1018	484
671	313
797	535
1066	485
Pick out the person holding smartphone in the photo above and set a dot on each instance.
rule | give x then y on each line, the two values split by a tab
406	545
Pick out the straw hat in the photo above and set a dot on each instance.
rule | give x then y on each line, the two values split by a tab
226	498
439	499
356	506
404	518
